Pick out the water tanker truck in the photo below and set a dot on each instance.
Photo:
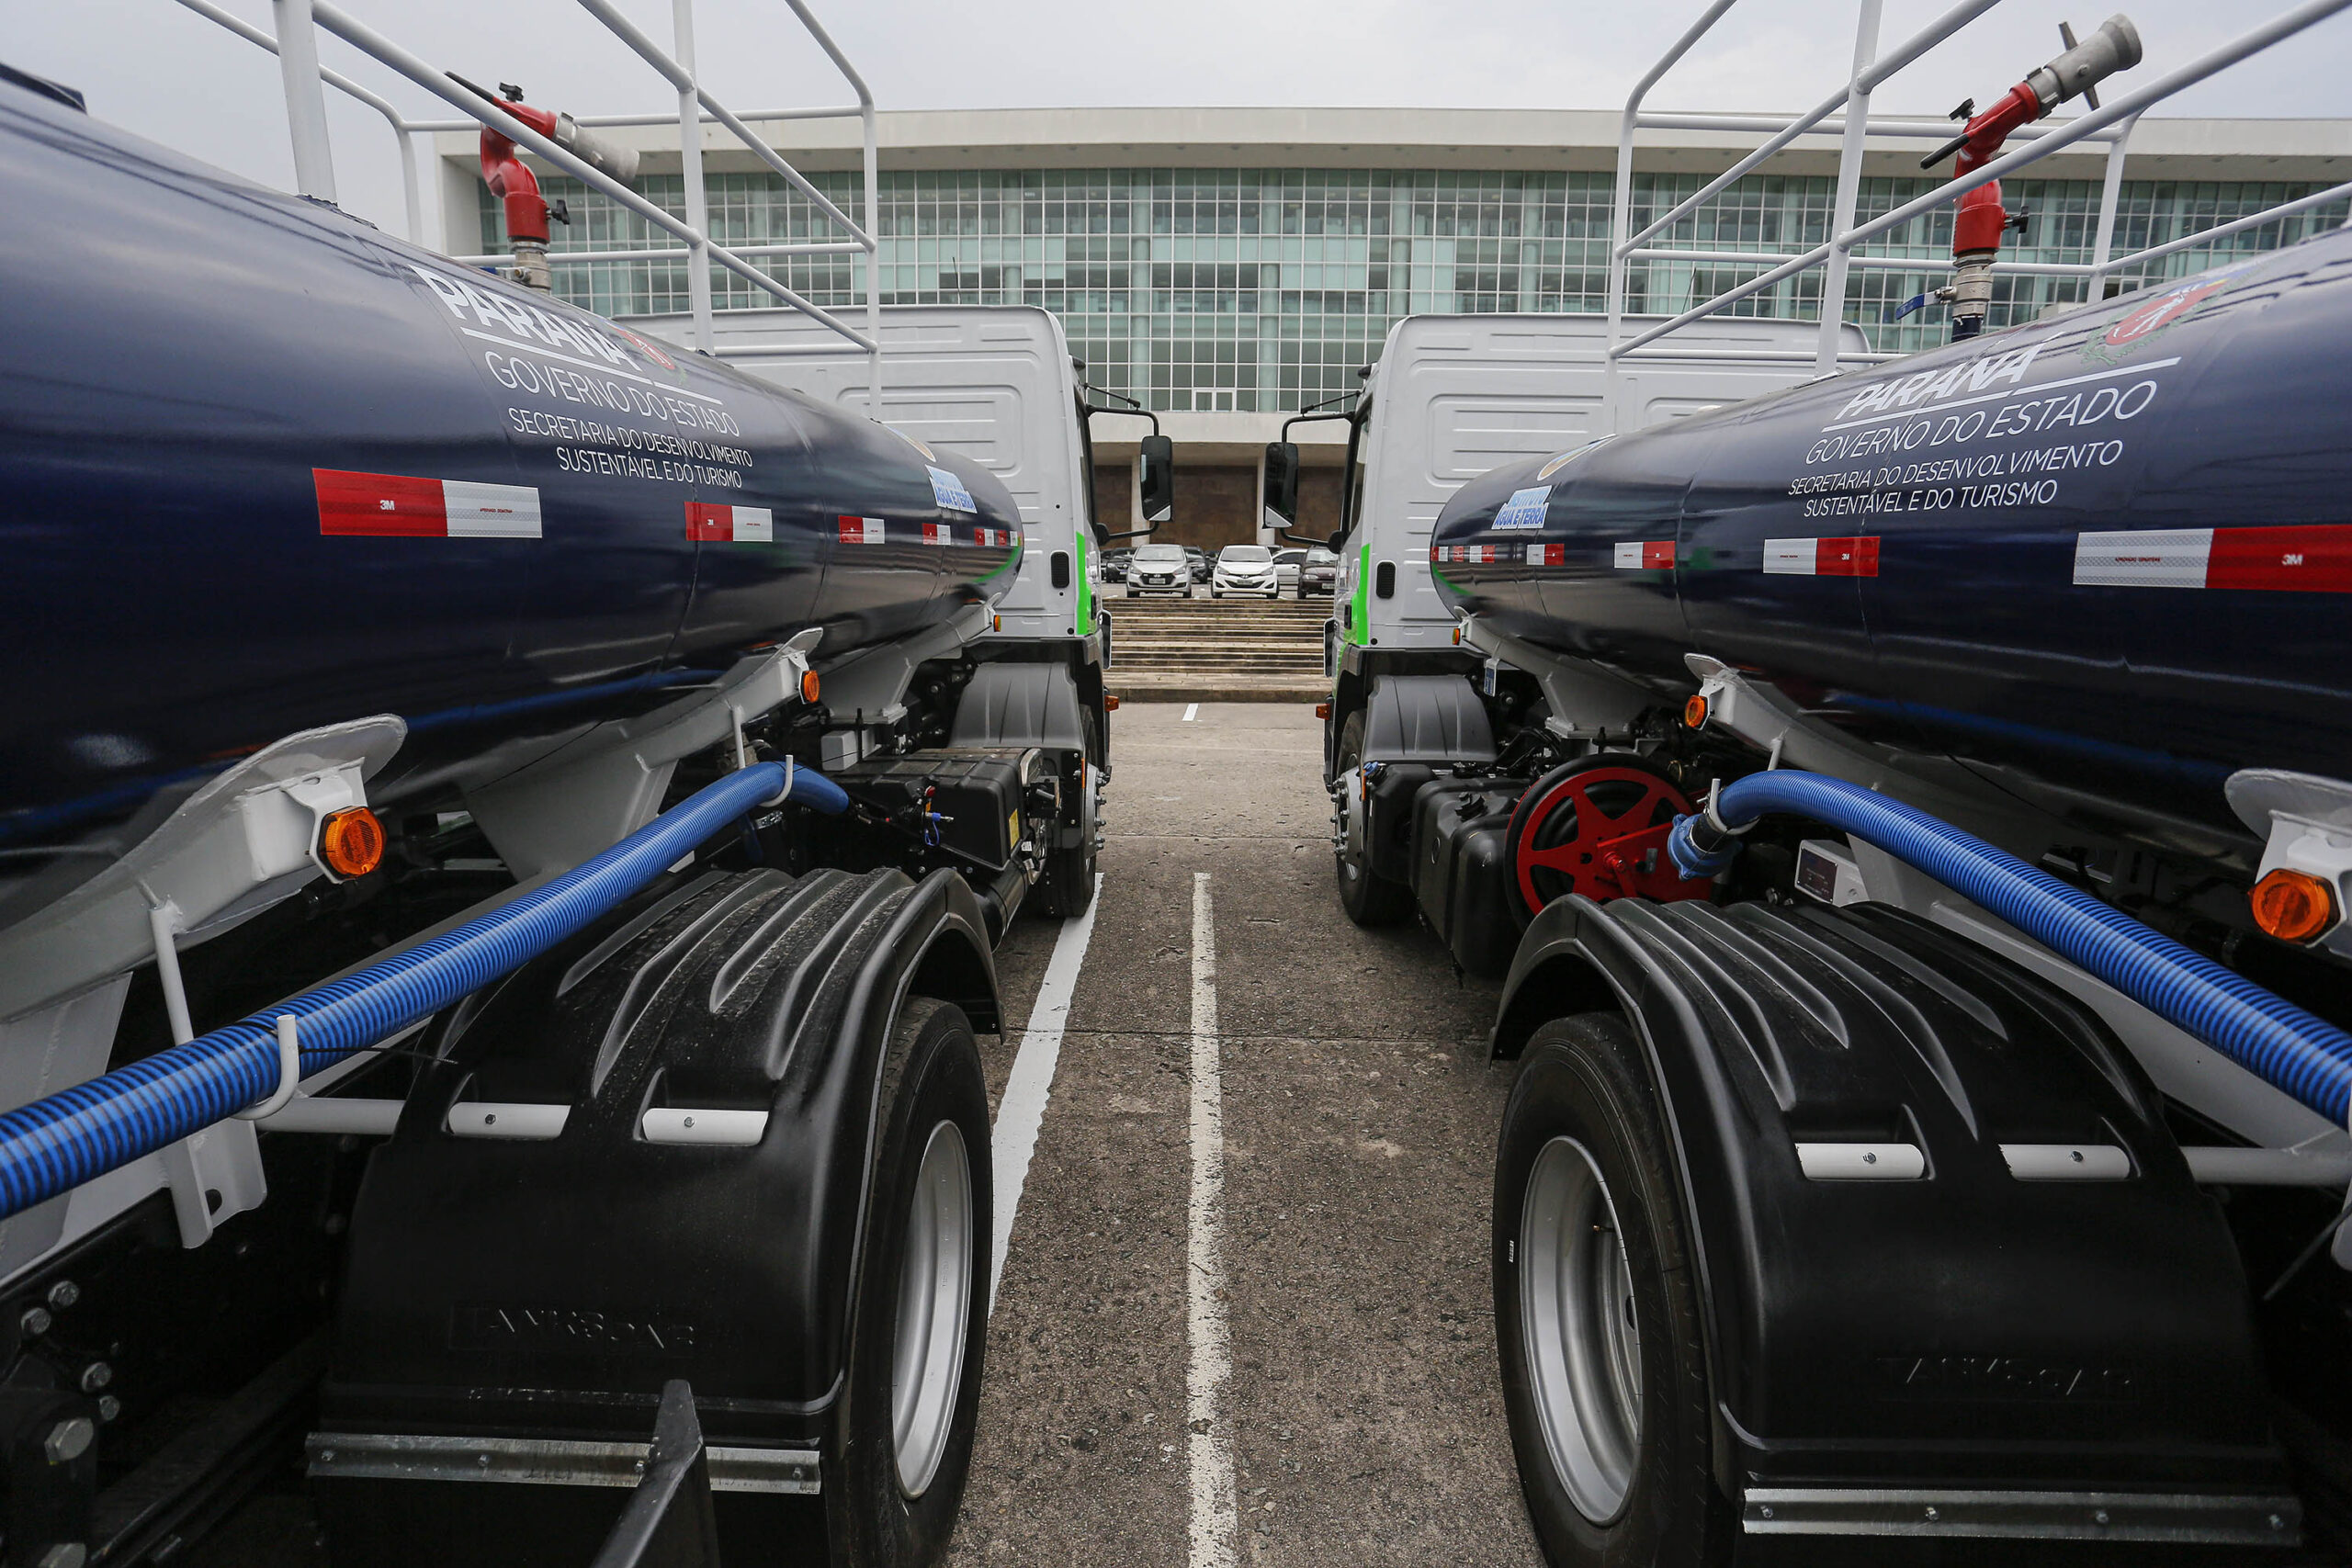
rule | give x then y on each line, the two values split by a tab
1911	817
504	824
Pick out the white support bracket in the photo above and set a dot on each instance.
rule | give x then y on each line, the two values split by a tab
1581	698
243	841
290	1072
212	1175
874	680
603	786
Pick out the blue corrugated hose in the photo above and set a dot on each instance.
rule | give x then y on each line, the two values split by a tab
54	1144
2274	1039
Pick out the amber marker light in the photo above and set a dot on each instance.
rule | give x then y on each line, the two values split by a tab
1110	705
1694	712
352	841
1323	710
809	685
2293	906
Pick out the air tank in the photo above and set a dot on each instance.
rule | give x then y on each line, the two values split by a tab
2108	551
263	467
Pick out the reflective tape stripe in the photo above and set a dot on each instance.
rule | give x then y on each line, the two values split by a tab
1638	555
730	524
402	506
2297	558
491	511
936	533
2170	557
862	531
1821	557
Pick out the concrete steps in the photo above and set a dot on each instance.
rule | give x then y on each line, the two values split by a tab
1217	649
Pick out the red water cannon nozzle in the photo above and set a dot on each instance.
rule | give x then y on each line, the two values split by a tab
517	188
1980	221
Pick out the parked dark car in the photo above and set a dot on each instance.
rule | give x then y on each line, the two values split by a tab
1319	573
1111	566
1199	559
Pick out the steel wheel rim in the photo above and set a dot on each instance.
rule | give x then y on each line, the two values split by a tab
935	1297
1576	1326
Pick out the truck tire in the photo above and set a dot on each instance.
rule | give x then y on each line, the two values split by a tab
1597	1312
1369	898
900	1444
1070	873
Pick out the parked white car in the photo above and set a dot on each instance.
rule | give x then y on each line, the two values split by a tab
1245	568
1159	569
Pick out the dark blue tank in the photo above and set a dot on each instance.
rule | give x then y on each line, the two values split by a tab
2111	549
263	467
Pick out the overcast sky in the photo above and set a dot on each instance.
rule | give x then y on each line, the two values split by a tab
158	68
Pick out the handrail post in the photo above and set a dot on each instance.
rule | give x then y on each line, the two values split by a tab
1849	182
1621	219
681	14
1622	211
2110	196
873	265
412	189
306	99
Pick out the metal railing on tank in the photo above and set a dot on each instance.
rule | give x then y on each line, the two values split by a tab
296	46
1846	114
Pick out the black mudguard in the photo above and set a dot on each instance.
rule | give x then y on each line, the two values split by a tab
1430	722
1020	703
549	1289
1965	1330
1426	718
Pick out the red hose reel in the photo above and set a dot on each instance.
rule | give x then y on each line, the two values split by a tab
1597	826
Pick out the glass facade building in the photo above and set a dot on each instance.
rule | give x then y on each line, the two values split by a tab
1262	289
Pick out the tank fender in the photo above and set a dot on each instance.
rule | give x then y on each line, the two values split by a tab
551	1286
1970	1324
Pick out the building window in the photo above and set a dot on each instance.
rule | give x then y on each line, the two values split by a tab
1265	289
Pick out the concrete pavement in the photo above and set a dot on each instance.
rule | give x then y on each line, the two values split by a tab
1360	1412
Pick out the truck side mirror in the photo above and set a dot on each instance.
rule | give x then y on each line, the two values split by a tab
1281	498
1155	477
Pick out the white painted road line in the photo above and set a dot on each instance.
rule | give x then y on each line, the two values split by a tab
1031	1083
1210	1367
1191	712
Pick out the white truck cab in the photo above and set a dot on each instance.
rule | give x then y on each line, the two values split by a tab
994	383
1453	397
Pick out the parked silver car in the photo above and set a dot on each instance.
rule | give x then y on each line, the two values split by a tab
1286	565
1244	570
1159	569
